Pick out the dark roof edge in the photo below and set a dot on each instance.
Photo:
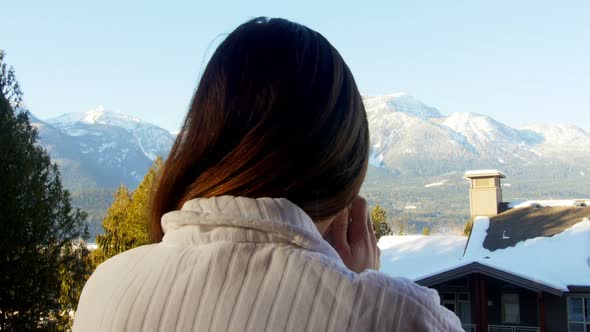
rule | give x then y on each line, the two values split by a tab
476	267
579	288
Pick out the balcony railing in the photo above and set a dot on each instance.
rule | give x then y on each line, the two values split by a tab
469	327
507	328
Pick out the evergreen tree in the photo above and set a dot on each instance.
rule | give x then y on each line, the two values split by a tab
467	228
379	218
9	87
140	204
125	224
41	253
112	241
426	230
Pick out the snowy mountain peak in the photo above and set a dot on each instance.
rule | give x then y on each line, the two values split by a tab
561	134
403	103
481	130
394	95
465	121
103	132
95	115
98	115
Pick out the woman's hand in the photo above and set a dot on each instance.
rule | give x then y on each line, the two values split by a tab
352	235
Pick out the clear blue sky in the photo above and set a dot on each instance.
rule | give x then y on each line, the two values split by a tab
517	61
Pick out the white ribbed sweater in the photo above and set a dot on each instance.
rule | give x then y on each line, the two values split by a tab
241	264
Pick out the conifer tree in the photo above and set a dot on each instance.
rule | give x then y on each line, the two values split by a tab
379	218
467	228
140	204
113	241
9	87
125	224
42	253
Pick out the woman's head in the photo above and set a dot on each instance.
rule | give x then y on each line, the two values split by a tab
276	114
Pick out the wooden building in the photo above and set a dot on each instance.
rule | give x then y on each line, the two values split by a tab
524	268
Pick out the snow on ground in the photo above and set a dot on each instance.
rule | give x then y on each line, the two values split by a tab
414	256
582	174
539	259
501	161
548	203
436	184
410	207
506	184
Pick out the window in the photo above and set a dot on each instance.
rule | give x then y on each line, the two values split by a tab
578	313
510	308
457	303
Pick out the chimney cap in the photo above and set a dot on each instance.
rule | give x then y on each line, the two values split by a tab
484	174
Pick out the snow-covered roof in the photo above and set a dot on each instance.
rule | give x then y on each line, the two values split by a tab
415	256
556	262
485	172
549	203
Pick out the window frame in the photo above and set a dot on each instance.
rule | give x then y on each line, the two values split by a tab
586	322
456	302
503	303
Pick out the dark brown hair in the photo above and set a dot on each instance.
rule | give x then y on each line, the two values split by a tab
276	114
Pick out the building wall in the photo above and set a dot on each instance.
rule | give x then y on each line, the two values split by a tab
555	306
556	309
527	303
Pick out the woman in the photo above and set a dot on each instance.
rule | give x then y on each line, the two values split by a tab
256	220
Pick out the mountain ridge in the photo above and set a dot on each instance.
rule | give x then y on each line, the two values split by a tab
102	149
418	156
472	140
408	137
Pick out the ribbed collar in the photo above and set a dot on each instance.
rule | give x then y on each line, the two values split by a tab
276	216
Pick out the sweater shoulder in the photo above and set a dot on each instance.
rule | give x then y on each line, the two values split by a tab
422	304
406	304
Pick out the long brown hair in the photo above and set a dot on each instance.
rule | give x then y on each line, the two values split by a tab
277	113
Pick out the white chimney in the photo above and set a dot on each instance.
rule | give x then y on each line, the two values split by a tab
485	192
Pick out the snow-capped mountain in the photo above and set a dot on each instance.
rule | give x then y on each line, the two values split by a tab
101	148
410	137
482	131
152	140
561	135
401	103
